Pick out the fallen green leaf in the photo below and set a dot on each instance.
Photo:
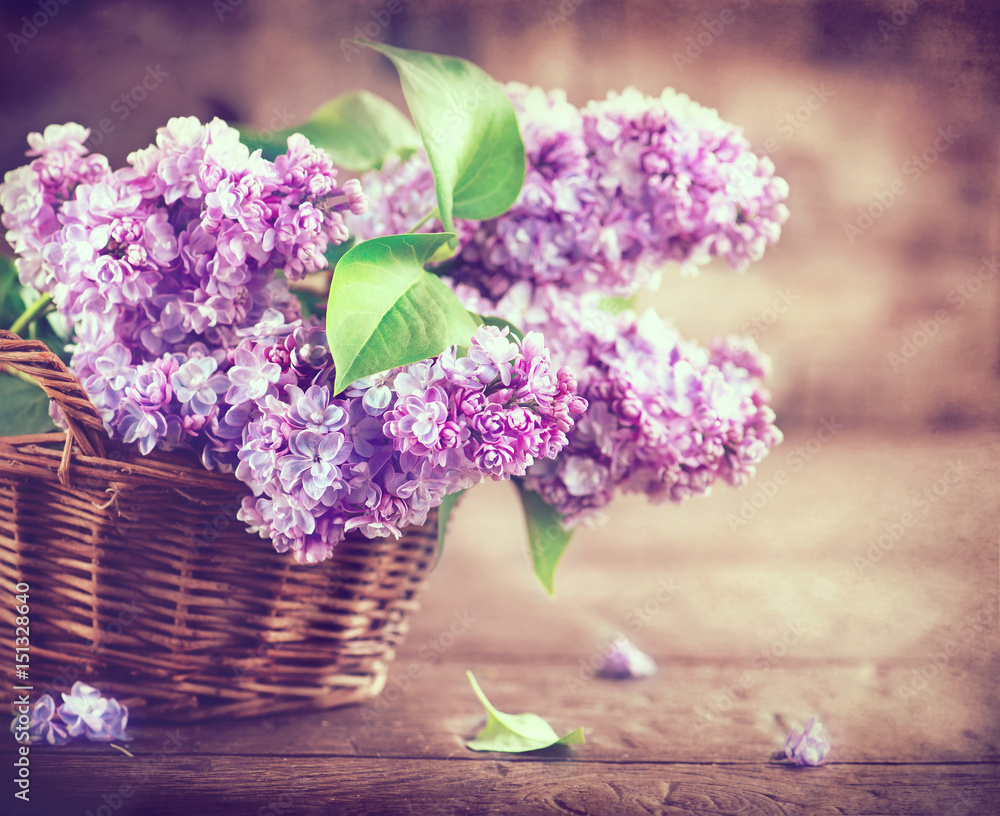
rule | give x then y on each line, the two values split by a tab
515	733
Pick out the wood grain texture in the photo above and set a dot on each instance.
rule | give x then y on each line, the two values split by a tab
754	630
309	785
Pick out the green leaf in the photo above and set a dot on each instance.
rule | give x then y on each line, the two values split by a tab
515	733
444	513
11	302
385	310
469	131
25	408
547	535
617	305
359	130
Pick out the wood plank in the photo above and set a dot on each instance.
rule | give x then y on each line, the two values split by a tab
688	713
795	560
314	785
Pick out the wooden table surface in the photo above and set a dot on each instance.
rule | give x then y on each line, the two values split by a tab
757	623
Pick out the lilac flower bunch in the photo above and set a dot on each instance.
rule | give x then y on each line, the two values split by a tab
612	193
665	417
174	273
84	712
163	266
381	456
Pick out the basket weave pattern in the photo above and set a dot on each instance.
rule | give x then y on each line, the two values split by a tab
144	584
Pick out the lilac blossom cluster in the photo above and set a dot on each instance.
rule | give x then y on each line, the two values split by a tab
164	266
665	417
84	712
612	193
379	457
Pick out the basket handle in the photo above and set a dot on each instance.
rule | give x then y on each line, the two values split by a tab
33	358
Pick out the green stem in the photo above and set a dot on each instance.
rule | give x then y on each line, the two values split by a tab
432	214
33	312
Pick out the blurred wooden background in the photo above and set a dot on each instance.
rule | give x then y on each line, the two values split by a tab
881	309
891	326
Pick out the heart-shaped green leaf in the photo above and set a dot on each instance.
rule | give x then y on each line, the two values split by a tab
359	130
25	408
385	310
547	535
469	130
515	733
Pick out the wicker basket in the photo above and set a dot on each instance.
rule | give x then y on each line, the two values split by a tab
141	581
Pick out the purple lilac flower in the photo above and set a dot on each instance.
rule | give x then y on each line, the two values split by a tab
84	712
87	713
177	249
808	747
623	660
611	194
665	417
41	723
380	456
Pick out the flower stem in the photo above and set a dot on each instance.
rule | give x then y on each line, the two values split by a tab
33	312
433	213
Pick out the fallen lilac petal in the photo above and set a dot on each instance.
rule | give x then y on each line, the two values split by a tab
809	747
42	724
625	661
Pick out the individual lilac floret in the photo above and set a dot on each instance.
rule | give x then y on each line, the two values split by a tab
41	723
87	713
809	747
623	660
